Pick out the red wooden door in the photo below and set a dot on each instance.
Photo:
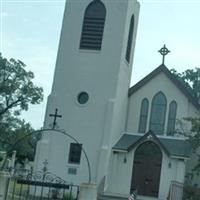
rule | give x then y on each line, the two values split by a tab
146	169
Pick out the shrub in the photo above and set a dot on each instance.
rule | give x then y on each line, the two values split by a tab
191	193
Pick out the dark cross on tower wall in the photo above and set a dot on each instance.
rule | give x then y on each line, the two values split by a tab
163	51
55	116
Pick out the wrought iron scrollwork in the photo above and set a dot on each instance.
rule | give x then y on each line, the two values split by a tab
42	184
44	177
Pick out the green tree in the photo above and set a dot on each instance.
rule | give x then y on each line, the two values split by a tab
191	79
17	135
194	138
191	191
17	92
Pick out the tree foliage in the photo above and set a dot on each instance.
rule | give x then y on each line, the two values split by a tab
17	90
191	190
191	79
194	138
16	135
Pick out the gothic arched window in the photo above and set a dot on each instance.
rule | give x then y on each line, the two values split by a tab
143	115
93	26
158	112
130	39
171	118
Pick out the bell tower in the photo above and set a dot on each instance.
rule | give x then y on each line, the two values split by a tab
90	87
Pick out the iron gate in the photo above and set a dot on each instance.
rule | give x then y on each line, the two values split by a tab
41	186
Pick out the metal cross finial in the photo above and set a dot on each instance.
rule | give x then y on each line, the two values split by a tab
55	117
163	51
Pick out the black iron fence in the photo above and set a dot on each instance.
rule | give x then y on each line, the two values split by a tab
41	186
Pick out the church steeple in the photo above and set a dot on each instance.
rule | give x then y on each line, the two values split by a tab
92	78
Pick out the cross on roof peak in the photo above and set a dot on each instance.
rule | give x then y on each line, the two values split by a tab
164	51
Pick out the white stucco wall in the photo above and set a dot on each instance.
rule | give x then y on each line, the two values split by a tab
159	83
174	173
121	173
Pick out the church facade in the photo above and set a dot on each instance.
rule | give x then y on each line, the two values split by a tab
129	134
153	154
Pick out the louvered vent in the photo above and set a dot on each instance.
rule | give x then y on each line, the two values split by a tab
93	26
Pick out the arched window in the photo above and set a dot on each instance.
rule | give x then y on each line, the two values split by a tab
171	118
93	26
130	39
143	115
158	112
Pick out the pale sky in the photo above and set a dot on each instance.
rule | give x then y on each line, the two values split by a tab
30	30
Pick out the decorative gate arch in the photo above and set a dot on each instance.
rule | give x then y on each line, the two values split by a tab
146	169
64	133
43	184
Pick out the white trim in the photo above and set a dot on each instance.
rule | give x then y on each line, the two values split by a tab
158	136
120	151
180	157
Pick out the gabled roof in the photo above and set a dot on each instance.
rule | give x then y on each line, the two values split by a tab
172	147
172	77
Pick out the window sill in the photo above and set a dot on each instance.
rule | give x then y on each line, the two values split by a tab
89	51
73	165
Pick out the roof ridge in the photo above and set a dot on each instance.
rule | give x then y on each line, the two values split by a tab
172	77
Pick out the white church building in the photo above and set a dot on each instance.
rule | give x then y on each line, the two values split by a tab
129	134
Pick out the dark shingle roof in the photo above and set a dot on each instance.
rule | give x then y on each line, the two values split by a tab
172	147
172	77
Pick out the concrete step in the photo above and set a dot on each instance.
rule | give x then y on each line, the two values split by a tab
115	197
109	197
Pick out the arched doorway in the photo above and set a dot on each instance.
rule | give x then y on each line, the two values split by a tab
146	169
